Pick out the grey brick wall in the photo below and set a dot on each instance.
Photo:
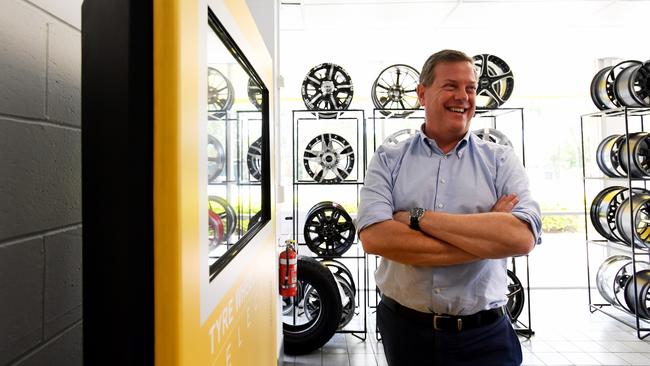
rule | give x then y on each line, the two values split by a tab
40	183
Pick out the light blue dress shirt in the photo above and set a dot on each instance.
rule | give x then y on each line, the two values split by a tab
468	179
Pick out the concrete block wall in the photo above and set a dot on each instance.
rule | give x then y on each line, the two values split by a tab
40	183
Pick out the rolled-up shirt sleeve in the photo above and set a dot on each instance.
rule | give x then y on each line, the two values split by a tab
512	178
376	198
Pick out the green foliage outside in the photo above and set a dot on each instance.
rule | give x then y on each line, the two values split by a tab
561	223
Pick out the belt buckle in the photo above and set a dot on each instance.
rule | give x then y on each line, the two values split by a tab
459	322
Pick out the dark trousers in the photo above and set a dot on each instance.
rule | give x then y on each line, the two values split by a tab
408	343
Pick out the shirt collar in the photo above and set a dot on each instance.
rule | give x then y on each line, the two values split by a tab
433	145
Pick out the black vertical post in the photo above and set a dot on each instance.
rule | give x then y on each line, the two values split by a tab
117	182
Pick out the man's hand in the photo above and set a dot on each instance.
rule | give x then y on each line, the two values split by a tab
402	216
505	203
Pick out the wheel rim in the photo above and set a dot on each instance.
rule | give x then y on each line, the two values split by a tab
515	296
221	94
612	75
226	212
254	94
633	86
607	155
399	136
338	269
611	278
599	211
216	158
598	90
327	87
395	88
254	159
215	230
329	231
639	301
495	81
610	206
640	204
493	135
305	312
639	143
328	158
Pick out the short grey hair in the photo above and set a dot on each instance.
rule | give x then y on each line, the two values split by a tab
426	76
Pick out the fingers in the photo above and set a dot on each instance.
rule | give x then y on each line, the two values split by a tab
506	203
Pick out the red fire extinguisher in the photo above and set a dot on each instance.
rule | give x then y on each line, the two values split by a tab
289	270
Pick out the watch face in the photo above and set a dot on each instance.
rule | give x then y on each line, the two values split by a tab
417	212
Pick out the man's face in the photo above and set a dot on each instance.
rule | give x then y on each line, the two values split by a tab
450	101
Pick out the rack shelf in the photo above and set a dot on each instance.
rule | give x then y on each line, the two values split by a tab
633	120
330	153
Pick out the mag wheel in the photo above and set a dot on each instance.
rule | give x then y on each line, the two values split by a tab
515	296
493	135
220	207
329	230
216	158
254	159
221	94
327	87
495	81
394	88
328	158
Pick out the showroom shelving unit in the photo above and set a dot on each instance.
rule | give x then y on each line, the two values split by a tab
593	128
236	131
510	121
349	124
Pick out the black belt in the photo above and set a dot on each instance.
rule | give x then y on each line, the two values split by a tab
446	322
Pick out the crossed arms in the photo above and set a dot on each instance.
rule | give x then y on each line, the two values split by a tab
448	239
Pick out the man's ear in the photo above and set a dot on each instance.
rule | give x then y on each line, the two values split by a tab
420	91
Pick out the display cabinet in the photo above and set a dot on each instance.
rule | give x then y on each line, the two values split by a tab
614	150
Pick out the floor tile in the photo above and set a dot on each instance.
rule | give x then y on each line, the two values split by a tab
362	359
580	358
608	359
634	358
531	359
335	360
553	358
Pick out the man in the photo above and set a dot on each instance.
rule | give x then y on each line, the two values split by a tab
444	209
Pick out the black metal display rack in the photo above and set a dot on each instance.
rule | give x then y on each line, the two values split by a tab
309	127
593	128
390	125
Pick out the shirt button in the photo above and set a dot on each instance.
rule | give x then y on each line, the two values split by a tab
440	205
443	181
445	157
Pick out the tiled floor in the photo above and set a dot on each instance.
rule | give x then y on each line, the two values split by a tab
566	333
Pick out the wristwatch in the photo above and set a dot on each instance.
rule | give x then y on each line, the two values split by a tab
416	215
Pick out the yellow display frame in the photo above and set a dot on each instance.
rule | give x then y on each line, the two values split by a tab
233	319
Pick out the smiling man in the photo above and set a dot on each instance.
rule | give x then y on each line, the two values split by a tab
444	209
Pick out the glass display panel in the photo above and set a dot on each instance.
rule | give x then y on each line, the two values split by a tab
237	148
